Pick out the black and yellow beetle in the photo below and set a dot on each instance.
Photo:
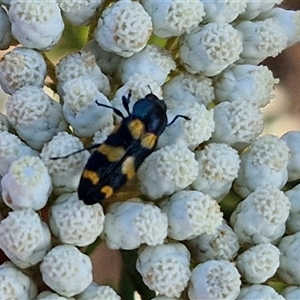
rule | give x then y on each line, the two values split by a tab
117	159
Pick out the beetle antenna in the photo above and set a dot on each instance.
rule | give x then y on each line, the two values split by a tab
116	111
179	116
78	151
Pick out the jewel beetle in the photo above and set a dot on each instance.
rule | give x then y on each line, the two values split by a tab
117	159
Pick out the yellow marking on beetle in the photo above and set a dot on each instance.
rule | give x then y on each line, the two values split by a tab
149	141
128	168
107	190
92	176
136	128
112	153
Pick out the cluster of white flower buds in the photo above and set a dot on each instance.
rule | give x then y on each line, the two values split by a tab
202	58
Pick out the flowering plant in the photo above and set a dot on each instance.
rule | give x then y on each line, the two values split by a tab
213	212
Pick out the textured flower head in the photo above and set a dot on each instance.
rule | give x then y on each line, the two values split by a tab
153	60
27	184
36	24
248	83
66	172
79	12
165	268
24	238
66	270
173	18
258	263
14	284
236	124
31	110
224	244
189	87
167	170
210	49
123	28
261	39
190	132
218	167
81	64
261	216
80	108
12	148
214	279
75	223
22	67
191	213
130	224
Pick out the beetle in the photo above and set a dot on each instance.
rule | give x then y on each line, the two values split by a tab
117	159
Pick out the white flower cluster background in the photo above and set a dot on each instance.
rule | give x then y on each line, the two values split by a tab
214	211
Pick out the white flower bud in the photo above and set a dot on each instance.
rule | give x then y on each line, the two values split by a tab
288	20
191	213
75	223
257	291
66	270
218	166
22	67
153	60
35	116
24	238
214	279
123	28
167	170
188	132
79	12
210	49
65	172
81	64
293	221
258	263
224	244
236	123
254	8
292	139
27	184
263	163
291	293
174	17
261	217
223	11
261	39
14	284
5	30
288	270
189	87
11	149
249	83
165	268
97	292
129	224
80	108
36	24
